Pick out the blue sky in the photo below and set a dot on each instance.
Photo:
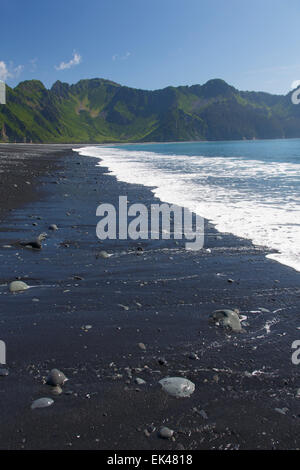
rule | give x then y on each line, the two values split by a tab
150	44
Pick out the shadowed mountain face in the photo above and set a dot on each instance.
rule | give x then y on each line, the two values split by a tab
99	111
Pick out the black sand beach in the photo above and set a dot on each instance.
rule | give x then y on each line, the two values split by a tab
86	315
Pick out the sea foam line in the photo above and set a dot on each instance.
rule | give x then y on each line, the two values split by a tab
184	180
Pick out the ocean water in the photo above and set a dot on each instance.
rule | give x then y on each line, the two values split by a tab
248	188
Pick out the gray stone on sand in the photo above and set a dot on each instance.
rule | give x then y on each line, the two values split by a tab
162	361
53	227
139	381
42	403
282	411
56	377
193	356
18	286
103	254
35	244
166	433
178	387
227	318
142	346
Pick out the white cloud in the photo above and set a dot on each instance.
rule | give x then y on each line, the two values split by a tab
121	57
67	65
4	73
9	71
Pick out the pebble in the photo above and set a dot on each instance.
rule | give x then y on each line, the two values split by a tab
42	403
4	372
282	411
142	346
193	356
139	381
227	318
56	377
103	254
162	361
124	307
53	227
166	433
178	387
18	286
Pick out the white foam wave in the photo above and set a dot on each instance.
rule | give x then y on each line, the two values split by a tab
199	183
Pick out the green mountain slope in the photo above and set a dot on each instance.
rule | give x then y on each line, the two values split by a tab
99	111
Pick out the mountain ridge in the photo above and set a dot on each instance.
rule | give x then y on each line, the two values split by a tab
102	111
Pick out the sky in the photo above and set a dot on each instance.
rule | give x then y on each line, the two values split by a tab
151	44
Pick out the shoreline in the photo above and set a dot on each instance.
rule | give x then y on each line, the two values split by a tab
114	143
241	379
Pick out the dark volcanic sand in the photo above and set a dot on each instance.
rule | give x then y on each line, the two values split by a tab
170	293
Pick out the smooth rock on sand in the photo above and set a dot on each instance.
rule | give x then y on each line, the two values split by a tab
42	403
103	254
56	377
18	286
178	387
227	318
53	227
35	244
166	433
140	381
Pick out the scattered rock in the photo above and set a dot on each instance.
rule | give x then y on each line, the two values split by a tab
35	244
166	433
193	356
227	318
18	286
139	381
124	307
282	411
103	254
162	361
42	403
56	377
178	387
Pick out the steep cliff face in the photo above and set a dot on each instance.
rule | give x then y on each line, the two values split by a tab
99	110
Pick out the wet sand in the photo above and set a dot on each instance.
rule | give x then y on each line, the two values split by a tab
162	296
